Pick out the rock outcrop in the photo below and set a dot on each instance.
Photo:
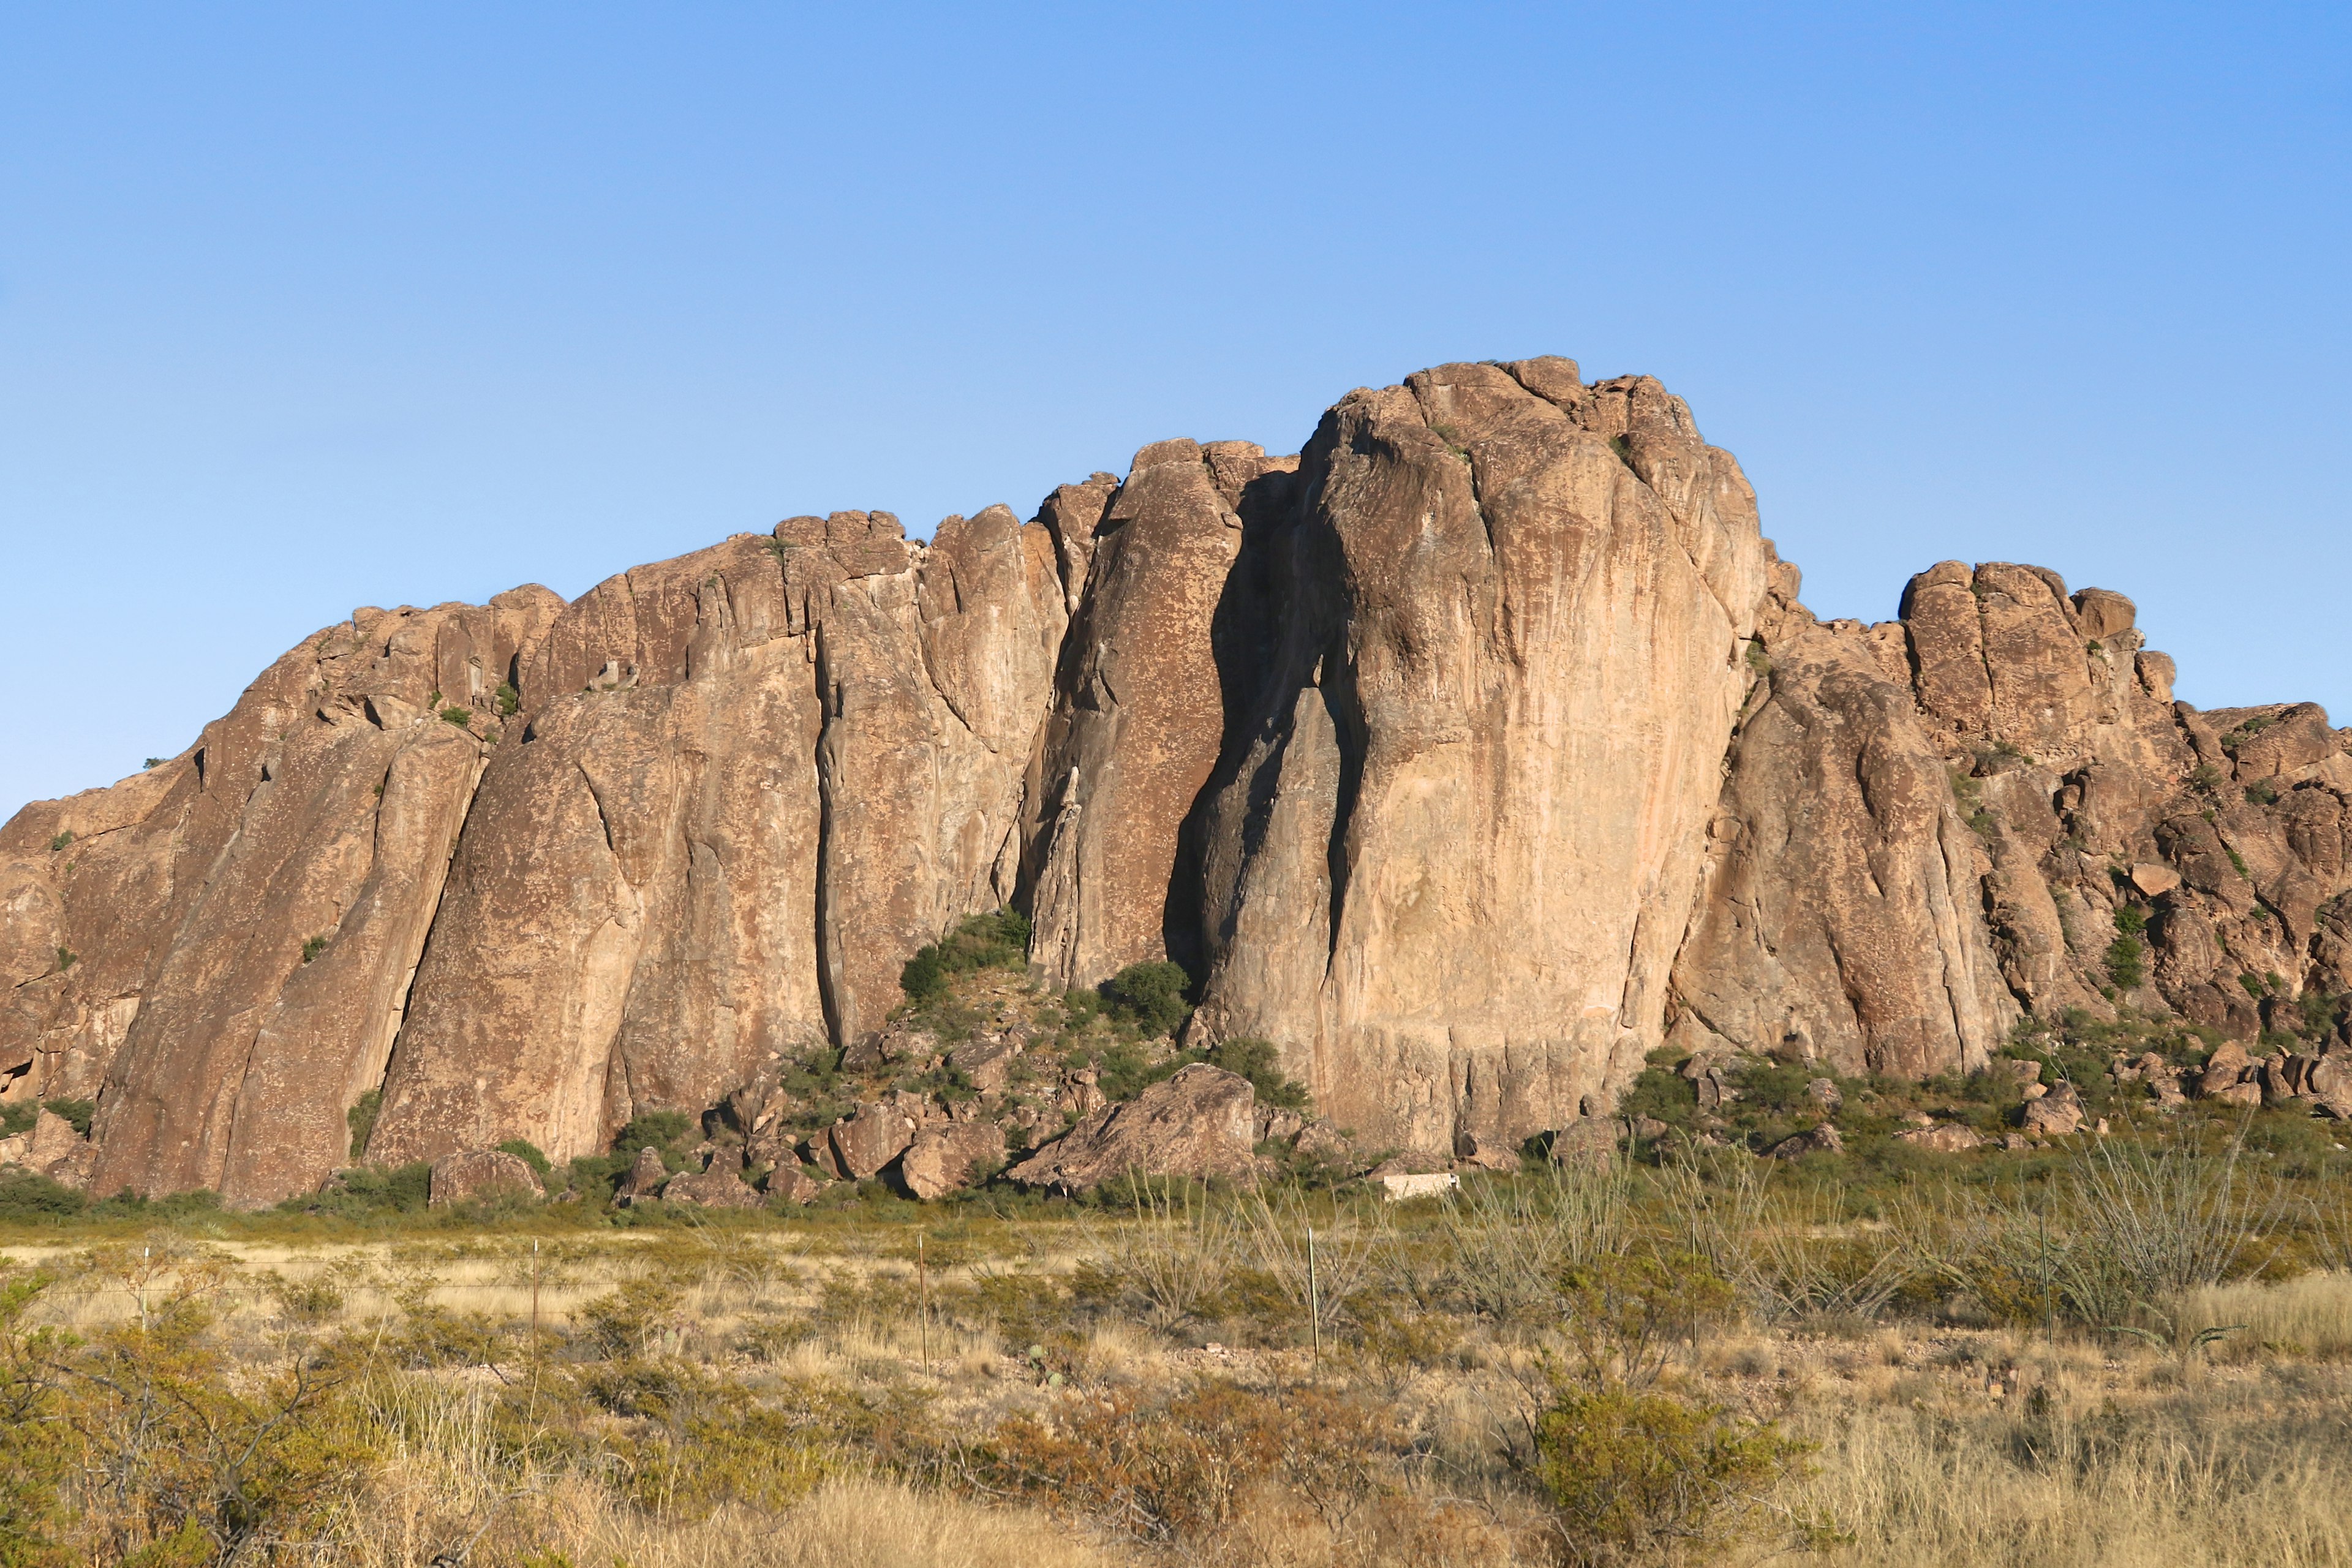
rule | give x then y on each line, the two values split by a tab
1468	756
1197	1123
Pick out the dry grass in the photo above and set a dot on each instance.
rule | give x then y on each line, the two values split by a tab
1937	1444
2307	1316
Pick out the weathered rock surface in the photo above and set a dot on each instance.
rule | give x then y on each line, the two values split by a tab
2054	1114
1497	703
865	1141
1197	1123
1468	756
481	1174
945	1158
645	1178
719	1187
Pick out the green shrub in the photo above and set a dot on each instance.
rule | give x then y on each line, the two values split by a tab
28	1198
60	841
18	1118
526	1150
1150	996
2262	792
77	1111
1260	1062
2124	961
153	763
1000	941
669	1133
510	699
313	948
461	717
1662	1095
66	957
1647	1477
361	1119
2130	920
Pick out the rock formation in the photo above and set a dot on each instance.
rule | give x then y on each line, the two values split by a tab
1468	756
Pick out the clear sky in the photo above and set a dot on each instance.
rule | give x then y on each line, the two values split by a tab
309	307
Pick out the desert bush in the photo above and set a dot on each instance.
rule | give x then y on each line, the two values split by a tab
1175	1257
1642	1478
999	940
2147	1224
1786	1250
1260	1062
1176	1469
1511	1239
361	1119
27	1197
1151	996
1320	1275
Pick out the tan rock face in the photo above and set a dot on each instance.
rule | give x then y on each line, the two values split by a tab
252	911
1468	756
481	1174
1841	919
1499	710
1140	721
790	763
945	1159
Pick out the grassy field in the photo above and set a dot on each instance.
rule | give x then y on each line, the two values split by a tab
2137	1352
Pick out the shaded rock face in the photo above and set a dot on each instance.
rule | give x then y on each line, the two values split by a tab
1468	756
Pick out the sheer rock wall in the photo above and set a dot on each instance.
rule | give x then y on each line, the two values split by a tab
1468	756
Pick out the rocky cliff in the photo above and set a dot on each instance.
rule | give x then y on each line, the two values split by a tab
1469	755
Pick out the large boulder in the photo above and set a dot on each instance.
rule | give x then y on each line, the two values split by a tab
478	1173
2054	1114
946	1157
868	1139
719	1187
1197	1123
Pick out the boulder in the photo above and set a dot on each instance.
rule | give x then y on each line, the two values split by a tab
1589	1142
1826	1096
644	1180
2054	1114
946	1157
721	1186
1946	1138
868	1139
474	1173
985	1064
1197	1123
2329	1084
792	1183
2154	878
2225	1070
1822	1139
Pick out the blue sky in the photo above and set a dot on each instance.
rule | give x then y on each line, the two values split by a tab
309	307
